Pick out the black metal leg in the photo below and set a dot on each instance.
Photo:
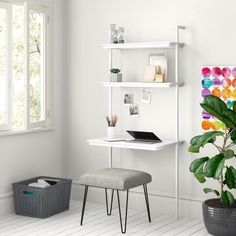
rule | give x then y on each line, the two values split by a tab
147	201
123	230
84	203
112	194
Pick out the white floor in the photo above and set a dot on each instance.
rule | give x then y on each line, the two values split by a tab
96	222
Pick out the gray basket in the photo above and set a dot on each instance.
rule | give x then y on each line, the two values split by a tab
41	202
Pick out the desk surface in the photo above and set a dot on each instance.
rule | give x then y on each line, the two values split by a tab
139	146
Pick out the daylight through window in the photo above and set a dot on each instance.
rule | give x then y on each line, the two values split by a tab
24	59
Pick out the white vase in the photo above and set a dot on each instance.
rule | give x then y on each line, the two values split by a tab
111	132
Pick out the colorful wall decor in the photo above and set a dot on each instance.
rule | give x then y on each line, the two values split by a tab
219	81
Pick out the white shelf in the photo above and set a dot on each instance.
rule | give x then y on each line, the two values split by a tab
139	146
141	84
148	45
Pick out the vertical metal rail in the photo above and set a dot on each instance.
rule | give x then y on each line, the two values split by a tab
110	105
177	122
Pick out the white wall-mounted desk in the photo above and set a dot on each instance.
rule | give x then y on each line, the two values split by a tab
139	146
176	83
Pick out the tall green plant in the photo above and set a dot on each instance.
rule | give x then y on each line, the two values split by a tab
216	167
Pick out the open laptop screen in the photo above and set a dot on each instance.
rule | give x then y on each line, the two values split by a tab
143	135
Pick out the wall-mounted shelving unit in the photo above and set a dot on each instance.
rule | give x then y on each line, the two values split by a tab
176	84
141	84
147	45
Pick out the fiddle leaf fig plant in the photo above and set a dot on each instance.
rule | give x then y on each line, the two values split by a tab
216	167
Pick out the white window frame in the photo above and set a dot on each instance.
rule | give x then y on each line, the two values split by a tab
43	6
8	8
32	6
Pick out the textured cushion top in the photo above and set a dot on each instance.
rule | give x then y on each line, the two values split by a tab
115	178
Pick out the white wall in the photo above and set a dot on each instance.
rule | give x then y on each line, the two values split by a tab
210	40
27	155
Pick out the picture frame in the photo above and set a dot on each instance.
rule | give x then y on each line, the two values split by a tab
146	96
159	61
134	110
128	99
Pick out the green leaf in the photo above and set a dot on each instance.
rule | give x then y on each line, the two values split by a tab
197	163
195	140
200	177
194	149
209	190
229	154
216	107
227	198
231	116
201	140
230	177
233	136
214	166
199	174
234	106
115	71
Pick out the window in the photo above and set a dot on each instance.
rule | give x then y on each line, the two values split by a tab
24	66
5	66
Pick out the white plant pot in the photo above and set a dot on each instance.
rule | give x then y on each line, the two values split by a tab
111	132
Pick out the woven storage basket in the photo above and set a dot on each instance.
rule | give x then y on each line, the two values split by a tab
41	202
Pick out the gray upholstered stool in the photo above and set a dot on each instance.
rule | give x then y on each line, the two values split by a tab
119	180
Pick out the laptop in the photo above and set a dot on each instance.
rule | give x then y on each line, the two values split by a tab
143	137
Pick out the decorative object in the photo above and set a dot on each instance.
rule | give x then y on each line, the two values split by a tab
111	132
121	35
219	213
116	35
160	62
219	81
128	98
150	73
134	110
111	122
146	96
112	31
115	75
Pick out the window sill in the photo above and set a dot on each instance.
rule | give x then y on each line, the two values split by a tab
17	132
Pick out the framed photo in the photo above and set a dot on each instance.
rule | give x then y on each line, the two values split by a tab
128	98
146	96
159	61
134	110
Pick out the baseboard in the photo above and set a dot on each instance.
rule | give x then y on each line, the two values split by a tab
5	195
192	198
6	203
190	206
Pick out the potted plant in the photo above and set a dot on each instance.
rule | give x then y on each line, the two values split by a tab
116	76
219	213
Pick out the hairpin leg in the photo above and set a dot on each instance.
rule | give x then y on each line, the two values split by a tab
147	201
112	194
123	230
84	203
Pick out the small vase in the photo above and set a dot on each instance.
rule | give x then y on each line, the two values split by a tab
111	132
